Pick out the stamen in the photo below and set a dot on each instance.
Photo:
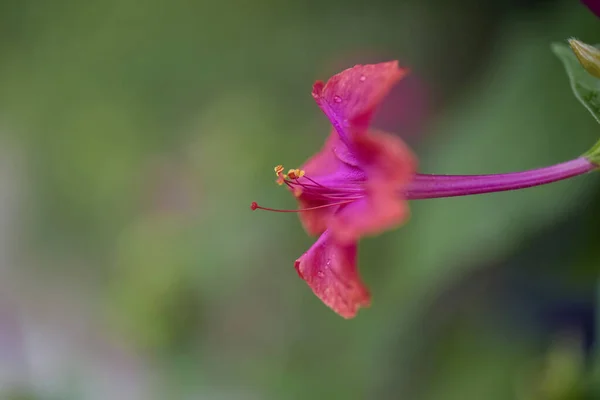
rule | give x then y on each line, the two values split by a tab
315	182
295	173
255	206
310	187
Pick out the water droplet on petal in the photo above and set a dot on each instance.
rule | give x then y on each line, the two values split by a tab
346	123
337	99
363	78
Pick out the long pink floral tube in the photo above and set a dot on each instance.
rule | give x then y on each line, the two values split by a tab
425	186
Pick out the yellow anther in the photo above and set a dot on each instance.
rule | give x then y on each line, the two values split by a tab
295	173
278	169
281	178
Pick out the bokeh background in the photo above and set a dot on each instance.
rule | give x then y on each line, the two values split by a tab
134	135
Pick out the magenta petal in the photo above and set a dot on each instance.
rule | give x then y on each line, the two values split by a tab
328	170
330	270
370	216
332	164
388	165
350	97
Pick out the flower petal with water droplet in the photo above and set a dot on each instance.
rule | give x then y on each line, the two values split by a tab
330	270
354	94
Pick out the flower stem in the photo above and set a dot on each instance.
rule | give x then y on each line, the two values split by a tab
426	186
593	154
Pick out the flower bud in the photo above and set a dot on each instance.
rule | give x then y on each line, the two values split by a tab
588	56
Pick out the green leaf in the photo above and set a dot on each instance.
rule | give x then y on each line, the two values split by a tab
585	86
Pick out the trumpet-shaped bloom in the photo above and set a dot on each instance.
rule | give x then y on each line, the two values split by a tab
350	188
359	182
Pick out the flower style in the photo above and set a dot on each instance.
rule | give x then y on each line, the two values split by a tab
358	184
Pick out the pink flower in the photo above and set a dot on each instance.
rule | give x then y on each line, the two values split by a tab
351	187
360	181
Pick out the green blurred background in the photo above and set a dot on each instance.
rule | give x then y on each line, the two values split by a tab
134	135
